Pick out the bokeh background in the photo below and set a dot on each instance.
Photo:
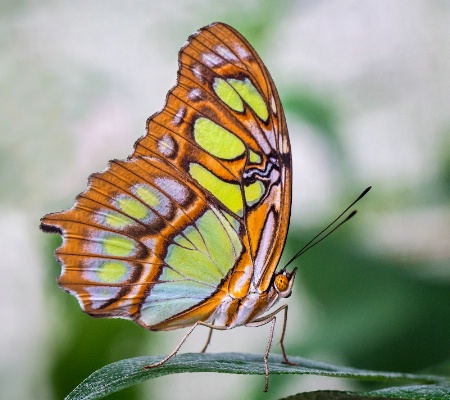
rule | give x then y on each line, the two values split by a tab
366	90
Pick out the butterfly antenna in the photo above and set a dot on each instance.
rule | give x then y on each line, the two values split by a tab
317	239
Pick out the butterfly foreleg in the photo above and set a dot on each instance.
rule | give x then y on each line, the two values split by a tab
268	318
263	321
260	322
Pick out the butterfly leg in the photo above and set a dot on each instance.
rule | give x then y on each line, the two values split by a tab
260	322
283	331
268	318
175	351
265	320
208	341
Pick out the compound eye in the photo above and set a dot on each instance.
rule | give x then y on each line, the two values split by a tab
281	283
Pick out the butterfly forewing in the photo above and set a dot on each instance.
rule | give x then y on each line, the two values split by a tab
224	89
200	210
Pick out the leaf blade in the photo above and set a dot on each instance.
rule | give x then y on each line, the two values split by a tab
121	374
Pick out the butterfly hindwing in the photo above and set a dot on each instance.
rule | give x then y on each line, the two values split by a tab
143	243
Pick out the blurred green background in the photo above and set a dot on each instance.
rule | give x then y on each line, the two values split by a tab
366	90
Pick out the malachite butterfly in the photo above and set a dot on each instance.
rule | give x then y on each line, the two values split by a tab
190	228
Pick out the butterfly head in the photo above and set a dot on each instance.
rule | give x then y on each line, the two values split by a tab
283	282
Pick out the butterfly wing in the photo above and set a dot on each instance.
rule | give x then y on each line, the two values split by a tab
143	242
199	210
224	124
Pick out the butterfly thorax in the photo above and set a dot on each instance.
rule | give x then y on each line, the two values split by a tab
236	312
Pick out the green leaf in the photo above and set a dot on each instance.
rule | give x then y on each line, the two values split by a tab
121	374
422	392
331	395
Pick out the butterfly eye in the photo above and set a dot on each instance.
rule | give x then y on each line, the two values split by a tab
281	283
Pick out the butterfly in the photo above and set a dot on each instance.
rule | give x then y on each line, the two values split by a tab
189	229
